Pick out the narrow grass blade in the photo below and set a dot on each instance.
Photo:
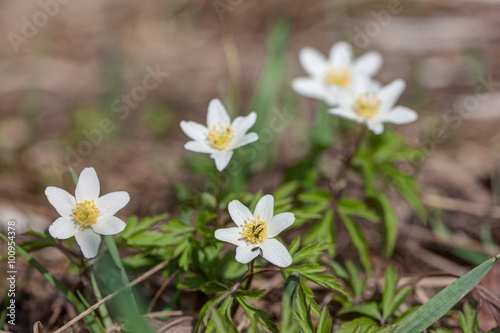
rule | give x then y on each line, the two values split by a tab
437	307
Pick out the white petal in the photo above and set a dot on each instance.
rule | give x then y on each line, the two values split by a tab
195	131
112	202
344	113
400	115
309	87
88	241
222	158
248	138
108	225
369	63
275	252
313	61
279	223
88	187
244	253
341	54
243	124
63	228
217	114
198	147
391	92
230	235
239	212
62	201
376	127
265	208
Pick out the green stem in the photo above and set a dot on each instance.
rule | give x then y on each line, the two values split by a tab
216	194
97	293
338	185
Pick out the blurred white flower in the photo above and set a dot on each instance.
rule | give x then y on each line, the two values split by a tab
329	77
86	215
372	105
220	137
255	232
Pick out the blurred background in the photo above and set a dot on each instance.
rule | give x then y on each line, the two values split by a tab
105	84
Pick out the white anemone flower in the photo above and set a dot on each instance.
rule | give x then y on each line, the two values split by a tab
86	215
220	137
328	77
373	105
255	232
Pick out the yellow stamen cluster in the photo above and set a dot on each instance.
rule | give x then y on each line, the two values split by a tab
220	136
255	230
339	76
86	213
367	106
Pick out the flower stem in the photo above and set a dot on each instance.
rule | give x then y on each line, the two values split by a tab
217	204
338	185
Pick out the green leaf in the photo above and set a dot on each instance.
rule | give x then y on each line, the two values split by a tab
437	307
354	280
467	318
325	230
369	309
359	241
204	315
262	316
357	208
212	287
294	246
324	322
290	288
250	294
360	324
201	222
311	251
134	226
391	281
389	219
303	312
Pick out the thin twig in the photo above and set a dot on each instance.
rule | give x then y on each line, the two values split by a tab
473	208
160	314
175	322
141	278
217	204
160	291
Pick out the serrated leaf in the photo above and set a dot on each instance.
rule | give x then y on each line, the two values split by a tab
134	226
212	287
359	323
261	315
369	309
325	231
437	307
250	294
390	220
357	208
391	281
311	251
204	315
294	246
324	322
359	240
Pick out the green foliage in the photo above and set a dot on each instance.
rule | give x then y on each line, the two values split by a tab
437	307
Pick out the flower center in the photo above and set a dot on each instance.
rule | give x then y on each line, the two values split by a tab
255	230
367	105
220	136
339	76
86	213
